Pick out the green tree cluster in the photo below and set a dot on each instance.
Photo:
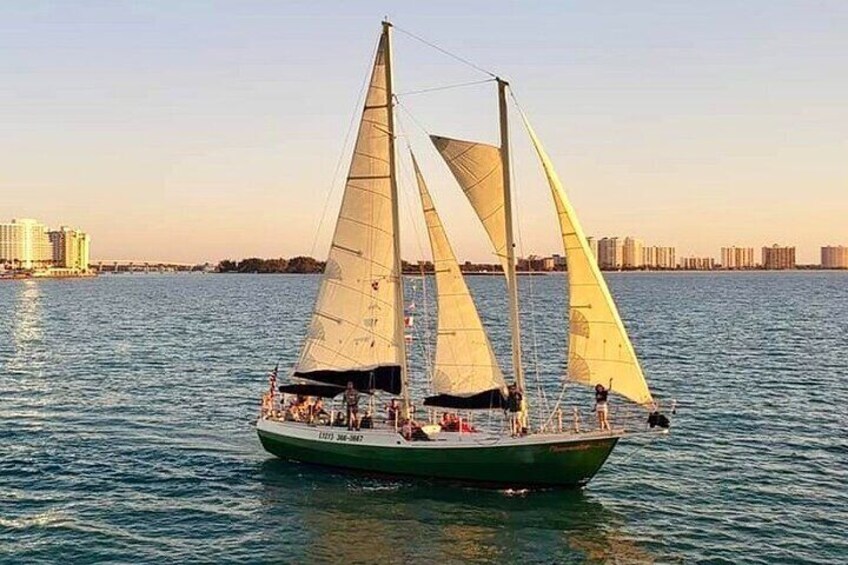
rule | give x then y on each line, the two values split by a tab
299	265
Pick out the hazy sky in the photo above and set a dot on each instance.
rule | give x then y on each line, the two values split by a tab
193	131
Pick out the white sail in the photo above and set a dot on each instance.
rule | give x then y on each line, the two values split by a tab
599	349
478	170
465	364
355	321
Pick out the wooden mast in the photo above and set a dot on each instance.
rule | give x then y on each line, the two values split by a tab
512	283
398	266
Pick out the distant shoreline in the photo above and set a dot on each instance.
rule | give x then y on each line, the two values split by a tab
554	273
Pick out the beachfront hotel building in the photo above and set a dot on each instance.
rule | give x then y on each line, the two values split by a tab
632	253
778	258
593	245
737	257
834	257
665	257
614	253
610	253
28	245
25	244
70	248
697	263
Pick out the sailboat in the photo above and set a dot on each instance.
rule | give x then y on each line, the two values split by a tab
355	339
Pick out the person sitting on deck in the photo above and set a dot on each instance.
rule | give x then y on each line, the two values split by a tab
367	421
317	412
465	427
602	405
406	429
306	409
293	411
351	400
447	422
411	431
451	422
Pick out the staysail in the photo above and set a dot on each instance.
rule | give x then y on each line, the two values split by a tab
478	170
599	349
353	334
465	373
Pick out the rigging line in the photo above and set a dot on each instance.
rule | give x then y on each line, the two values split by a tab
415	120
446	52
535	341
356	112
523	116
444	87
406	175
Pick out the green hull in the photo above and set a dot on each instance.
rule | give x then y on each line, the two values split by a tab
543	464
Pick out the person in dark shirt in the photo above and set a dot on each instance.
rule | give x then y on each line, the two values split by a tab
513	404
351	400
602	405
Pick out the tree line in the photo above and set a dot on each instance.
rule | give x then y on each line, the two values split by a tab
309	265
297	265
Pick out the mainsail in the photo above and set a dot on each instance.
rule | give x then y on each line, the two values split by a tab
353	335
465	373
598	347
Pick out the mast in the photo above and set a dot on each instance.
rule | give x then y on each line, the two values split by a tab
512	283
398	266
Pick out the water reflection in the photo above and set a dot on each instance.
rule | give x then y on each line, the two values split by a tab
27	329
334	516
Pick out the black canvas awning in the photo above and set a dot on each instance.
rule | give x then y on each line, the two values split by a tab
486	400
308	389
385	378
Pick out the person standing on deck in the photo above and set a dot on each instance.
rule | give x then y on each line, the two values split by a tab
602	405
392	411
351	400
514	404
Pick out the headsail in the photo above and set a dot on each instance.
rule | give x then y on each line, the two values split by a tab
598	346
353	333
465	373
478	170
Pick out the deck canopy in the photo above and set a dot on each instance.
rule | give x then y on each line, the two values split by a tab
309	389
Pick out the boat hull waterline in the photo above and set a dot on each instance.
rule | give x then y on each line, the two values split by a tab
556	460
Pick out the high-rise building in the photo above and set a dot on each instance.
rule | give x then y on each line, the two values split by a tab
834	257
632	253
70	249
24	244
697	263
737	257
593	245
649	257
666	257
778	258
610	253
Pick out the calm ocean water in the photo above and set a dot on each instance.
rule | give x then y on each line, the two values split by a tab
126	409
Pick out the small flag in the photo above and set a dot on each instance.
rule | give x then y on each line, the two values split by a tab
272	379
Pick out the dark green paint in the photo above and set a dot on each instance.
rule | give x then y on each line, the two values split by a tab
564	464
